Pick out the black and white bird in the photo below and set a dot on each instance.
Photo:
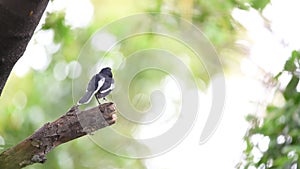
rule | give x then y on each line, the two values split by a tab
99	86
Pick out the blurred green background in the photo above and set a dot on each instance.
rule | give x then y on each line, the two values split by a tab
41	91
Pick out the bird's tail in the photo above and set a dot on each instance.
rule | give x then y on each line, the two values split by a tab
86	98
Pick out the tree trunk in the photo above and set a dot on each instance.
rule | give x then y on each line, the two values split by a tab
75	123
18	20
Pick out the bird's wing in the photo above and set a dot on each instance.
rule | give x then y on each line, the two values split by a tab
92	84
100	83
95	83
109	86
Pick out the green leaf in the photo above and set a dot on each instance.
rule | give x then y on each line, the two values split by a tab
296	55
251	117
287	149
56	21
290	65
271	108
290	90
259	4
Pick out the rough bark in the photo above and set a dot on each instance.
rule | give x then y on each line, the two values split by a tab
75	123
18	20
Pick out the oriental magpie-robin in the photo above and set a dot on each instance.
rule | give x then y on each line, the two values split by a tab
99	86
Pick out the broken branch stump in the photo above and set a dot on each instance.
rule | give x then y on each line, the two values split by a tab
75	123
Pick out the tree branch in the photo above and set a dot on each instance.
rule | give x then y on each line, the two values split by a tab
75	123
18	20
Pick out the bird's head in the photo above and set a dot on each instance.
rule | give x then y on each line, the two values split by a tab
106	71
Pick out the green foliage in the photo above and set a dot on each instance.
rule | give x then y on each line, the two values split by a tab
259	4
291	66
56	22
280	125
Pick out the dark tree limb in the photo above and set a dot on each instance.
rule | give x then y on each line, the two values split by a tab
75	123
18	20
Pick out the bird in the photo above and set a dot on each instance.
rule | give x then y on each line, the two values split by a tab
99	86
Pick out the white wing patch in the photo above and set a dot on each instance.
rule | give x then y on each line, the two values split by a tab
112	86
100	84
